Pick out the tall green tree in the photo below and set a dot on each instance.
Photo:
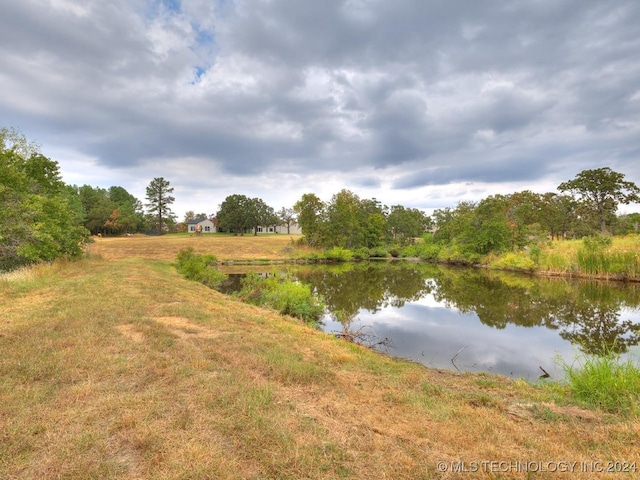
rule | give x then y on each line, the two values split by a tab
39	219
236	214
602	190
159	197
346	220
406	223
557	214
311	212
262	214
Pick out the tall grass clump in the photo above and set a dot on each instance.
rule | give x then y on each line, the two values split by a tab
606	382
283	295
338	254
593	258
199	267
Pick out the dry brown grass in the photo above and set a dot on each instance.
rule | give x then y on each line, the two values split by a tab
122	369
225	247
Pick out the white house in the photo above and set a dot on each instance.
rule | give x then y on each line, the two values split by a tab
294	229
205	224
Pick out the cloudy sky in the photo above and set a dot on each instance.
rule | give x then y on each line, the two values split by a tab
421	103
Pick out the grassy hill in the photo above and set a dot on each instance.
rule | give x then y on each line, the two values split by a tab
117	367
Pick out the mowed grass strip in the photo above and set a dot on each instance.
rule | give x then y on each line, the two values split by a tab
123	369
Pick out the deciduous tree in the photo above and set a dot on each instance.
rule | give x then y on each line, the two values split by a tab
287	217
37	219
602	190
311	213
235	214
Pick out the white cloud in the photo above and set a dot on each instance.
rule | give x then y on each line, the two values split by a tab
414	102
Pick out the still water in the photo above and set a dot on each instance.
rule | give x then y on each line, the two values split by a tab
472	320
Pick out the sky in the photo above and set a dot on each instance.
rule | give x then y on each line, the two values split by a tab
420	103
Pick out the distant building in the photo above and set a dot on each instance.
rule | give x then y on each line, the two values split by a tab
294	229
206	225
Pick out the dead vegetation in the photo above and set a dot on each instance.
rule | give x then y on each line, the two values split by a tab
248	247
123	369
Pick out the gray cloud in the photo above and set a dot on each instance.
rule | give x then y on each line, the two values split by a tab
395	100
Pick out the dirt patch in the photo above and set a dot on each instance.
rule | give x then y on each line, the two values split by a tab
181	327
185	328
129	332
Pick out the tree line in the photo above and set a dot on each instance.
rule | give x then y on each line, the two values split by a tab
42	218
584	206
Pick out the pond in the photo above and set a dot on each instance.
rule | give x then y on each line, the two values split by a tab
472	320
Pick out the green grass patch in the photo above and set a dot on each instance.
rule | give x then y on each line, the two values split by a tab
605	382
199	267
283	295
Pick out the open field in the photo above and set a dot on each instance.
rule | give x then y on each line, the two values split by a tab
223	246
115	367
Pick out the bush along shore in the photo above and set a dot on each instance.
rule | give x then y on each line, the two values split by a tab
600	257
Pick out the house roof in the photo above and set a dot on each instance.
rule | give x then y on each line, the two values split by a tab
195	221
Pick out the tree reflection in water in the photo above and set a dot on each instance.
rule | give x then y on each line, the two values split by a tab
588	314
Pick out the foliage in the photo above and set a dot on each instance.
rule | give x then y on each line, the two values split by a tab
159	200
601	190
337	254
606	382
239	213
311	213
38	213
200	268
347	221
405	224
286	217
628	224
283	295
378	252
262	214
361	254
514	261
595	258
557	213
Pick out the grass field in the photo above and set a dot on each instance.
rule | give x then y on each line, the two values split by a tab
115	367
247	247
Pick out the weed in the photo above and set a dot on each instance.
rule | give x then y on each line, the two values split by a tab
282	294
606	382
337	254
199	267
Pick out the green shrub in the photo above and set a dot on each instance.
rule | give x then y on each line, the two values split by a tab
455	253
534	253
514	261
337	254
597	243
200	268
283	295
424	251
378	252
361	254
605	382
395	250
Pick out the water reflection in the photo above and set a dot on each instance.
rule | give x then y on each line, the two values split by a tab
476	320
